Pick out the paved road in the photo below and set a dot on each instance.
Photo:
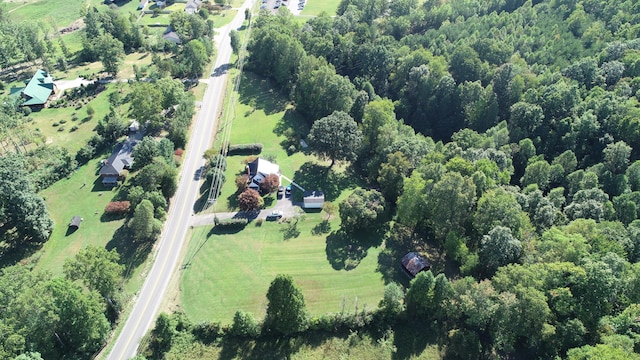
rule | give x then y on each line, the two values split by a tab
286	205
179	217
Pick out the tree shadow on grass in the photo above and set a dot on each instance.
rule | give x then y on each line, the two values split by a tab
272	347
14	249
345	251
400	241
312	176
260	93
324	227
412	336
266	348
294	128
132	253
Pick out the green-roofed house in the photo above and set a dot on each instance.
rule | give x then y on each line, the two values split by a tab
39	89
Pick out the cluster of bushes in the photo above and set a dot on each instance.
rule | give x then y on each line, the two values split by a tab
244	149
117	207
230	223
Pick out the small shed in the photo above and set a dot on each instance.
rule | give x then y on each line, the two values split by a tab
313	199
134	126
413	263
75	222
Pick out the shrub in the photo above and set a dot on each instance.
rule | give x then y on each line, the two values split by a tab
63	121
178	152
61	128
244	149
230	223
85	154
73	128
242	182
244	325
218	161
55	124
207	332
117	207
216	175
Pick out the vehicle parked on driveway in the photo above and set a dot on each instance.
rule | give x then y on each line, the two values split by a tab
275	215
281	191
288	189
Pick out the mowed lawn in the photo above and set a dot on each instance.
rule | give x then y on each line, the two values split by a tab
261	115
62	13
67	198
315	7
227	272
62	134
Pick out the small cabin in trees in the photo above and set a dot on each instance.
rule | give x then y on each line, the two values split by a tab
258	170
413	263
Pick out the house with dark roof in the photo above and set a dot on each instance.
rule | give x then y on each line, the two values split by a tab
313	199
121	159
39	89
413	263
258	170
192	6
171	35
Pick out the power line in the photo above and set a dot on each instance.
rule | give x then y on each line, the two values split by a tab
216	182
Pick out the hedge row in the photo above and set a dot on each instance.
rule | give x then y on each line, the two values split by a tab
230	223
244	149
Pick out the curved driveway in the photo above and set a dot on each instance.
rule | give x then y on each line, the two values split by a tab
179	216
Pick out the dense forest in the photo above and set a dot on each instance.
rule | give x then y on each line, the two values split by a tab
502	132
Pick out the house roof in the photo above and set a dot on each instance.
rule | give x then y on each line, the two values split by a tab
413	263
192	6
171	35
313	196
75	221
121	157
262	167
39	88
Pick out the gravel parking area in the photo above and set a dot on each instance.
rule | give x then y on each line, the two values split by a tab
273	5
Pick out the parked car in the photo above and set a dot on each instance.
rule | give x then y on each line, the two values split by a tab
275	215
281	191
288	189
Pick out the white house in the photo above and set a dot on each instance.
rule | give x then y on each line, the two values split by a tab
258	170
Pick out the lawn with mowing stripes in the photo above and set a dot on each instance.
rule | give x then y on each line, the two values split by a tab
227	272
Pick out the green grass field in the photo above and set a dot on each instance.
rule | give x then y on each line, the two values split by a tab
67	198
315	7
62	13
71	140
227	272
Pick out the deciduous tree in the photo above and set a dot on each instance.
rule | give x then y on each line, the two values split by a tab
286	309
336	137
250	200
